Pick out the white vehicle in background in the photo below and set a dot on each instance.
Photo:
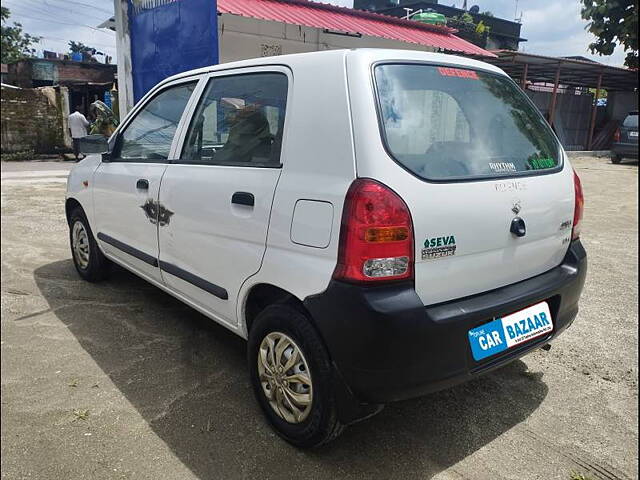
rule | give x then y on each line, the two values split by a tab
378	224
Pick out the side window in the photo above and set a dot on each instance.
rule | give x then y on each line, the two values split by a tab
149	135
239	121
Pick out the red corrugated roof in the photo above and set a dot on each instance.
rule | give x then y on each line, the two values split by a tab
331	17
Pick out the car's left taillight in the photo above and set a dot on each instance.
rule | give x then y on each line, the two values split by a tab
578	211
376	236
616	135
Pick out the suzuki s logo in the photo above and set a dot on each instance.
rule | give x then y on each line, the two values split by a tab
516	207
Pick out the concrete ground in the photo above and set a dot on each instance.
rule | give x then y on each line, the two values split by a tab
120	380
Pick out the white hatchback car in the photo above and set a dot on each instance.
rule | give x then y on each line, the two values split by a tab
378	224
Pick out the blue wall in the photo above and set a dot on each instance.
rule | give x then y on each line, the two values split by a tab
169	37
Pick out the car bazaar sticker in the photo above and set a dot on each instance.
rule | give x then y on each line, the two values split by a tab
438	247
509	331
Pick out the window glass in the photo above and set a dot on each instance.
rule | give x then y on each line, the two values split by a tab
239	121
631	121
150	133
442	123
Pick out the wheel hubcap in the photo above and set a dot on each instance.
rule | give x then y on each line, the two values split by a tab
285	377
80	244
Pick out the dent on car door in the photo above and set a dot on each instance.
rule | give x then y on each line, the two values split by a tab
126	187
221	189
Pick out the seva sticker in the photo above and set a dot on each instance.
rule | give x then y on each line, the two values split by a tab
438	247
507	332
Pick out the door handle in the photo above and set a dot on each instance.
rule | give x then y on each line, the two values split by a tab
518	227
243	198
142	184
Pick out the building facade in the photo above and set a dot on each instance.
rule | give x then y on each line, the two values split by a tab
502	34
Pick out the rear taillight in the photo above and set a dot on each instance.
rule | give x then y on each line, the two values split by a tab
578	211
376	236
616	135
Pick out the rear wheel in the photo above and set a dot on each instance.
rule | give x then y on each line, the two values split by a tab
616	159
89	261
291	375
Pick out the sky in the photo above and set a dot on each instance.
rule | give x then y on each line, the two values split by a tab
552	27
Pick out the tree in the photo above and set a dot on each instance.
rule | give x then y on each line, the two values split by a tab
613	22
15	43
79	47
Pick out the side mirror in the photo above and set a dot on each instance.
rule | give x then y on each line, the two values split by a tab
94	144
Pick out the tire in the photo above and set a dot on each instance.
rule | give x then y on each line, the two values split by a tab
320	424
616	159
90	262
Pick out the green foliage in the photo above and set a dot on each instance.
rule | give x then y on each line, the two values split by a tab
15	44
16	156
613	22
79	47
466	18
579	476
482	29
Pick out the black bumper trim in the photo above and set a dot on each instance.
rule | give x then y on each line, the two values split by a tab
388	346
134	252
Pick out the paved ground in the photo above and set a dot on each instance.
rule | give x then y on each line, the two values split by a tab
119	380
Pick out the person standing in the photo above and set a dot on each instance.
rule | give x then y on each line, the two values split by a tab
78	127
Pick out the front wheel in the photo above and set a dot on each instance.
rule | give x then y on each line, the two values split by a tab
89	261
616	159
291	375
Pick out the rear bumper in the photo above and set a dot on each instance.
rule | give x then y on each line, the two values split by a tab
625	149
388	346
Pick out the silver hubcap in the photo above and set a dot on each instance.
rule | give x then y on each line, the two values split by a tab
285	377
80	244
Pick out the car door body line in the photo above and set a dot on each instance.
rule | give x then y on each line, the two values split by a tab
199	282
134	252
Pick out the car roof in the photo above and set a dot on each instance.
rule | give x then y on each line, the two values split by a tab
371	55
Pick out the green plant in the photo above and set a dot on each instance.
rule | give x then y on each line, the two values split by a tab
579	476
482	29
16	156
466	18
613	23
79	47
15	44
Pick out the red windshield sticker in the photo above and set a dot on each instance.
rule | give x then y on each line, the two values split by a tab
458	72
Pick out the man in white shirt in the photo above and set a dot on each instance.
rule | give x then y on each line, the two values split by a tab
78	127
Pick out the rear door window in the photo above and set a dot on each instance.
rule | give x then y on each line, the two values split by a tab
444	123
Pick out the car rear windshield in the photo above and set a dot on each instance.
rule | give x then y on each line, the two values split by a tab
445	123
631	121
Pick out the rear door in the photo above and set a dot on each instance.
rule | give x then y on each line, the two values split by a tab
125	189
490	193
218	194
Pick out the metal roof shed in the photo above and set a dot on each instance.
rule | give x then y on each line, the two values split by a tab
566	72
347	21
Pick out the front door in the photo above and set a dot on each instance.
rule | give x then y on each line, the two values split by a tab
221	189
125	191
